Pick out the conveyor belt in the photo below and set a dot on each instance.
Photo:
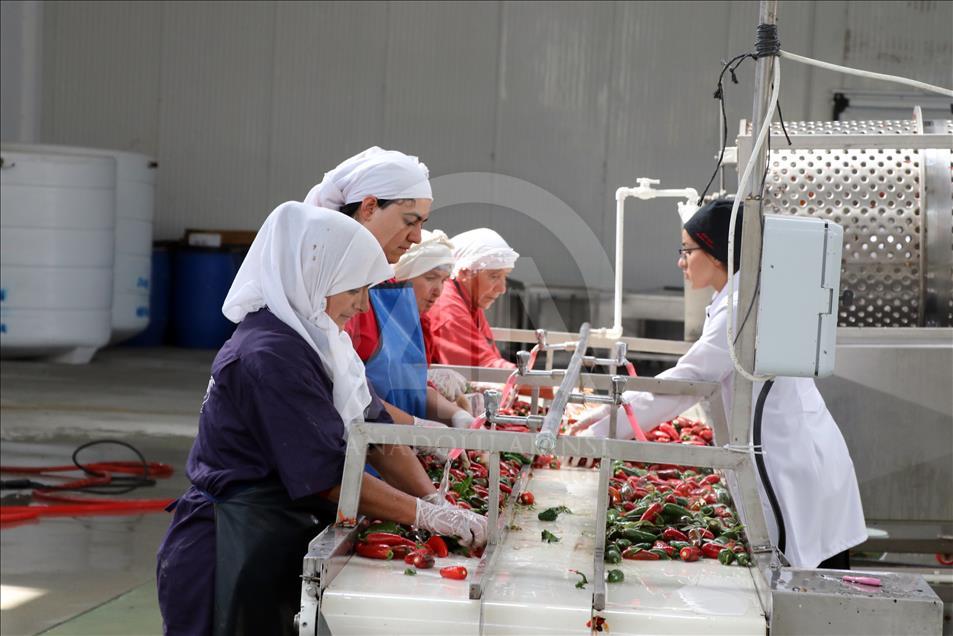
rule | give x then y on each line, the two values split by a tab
532	591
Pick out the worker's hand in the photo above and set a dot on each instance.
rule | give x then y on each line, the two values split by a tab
461	419
587	419
439	453
466	525
448	382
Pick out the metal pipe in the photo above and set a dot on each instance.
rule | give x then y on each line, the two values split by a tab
750	272
546	438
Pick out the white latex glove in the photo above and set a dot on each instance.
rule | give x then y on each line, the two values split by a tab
587	419
461	419
449	383
439	453
435	499
466	525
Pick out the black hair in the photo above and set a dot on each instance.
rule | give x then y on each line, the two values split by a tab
351	209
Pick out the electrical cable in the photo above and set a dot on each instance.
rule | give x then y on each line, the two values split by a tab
762	468
720	95
742	184
868	74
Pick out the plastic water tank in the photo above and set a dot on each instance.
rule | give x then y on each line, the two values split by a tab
135	209
57	236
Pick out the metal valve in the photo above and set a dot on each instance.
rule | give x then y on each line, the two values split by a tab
492	402
522	361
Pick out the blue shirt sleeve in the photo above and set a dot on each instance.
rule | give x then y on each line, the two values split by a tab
297	424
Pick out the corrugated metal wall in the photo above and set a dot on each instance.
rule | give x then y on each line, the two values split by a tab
246	104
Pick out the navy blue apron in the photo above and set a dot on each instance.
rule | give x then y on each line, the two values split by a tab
261	538
398	367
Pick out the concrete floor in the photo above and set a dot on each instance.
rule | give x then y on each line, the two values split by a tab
94	575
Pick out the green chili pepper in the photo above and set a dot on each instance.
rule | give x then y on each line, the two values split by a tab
726	556
615	576
410	572
613	556
548	537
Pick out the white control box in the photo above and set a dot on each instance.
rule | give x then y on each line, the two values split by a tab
799	291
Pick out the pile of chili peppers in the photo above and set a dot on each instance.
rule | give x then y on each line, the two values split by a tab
660	512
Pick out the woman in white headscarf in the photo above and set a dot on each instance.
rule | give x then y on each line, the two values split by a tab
461	333
427	266
266	465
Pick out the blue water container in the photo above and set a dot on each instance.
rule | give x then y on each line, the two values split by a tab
155	334
201	279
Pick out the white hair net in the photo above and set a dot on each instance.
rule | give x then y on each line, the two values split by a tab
481	248
385	174
434	250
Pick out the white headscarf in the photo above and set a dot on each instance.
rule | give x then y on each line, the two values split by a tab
301	255
385	174
434	250
481	248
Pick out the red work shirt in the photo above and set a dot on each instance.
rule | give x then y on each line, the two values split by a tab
427	329
365	334
460	333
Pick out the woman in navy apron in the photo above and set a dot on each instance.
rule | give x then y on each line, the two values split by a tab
267	462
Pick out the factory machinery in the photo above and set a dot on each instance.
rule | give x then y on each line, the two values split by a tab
889	185
523	585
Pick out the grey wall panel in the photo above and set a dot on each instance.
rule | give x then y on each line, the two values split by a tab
879	38
215	115
442	83
551	128
247	104
328	90
102	61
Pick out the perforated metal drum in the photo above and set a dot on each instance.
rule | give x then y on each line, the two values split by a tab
895	204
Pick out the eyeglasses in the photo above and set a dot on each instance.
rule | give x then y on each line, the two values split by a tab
683	252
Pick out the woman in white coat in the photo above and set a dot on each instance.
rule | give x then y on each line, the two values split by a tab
807	461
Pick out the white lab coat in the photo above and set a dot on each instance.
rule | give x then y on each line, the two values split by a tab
804	452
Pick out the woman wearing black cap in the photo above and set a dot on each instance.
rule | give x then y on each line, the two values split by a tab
807	461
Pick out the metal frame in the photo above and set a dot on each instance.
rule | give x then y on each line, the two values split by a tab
328	552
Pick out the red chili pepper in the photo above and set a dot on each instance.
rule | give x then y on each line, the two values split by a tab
464	505
661	437
505	488
438	546
711	479
652	512
711	498
479	469
638	554
374	551
711	549
459	474
673	534
455	572
614	497
628	506
664	547
689	553
388	538
420	559
527	498
669	430
667	474
706	434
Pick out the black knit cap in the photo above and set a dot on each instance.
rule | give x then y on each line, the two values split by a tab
709	228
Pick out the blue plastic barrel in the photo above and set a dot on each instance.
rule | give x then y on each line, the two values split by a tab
201	279
159	293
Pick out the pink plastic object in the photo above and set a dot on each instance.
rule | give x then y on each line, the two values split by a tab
863	580
634	423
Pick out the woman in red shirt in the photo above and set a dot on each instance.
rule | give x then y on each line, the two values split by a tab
460	332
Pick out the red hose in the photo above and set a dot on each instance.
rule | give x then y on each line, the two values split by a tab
97	474
633	422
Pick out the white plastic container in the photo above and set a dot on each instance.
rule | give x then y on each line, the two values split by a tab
57	238
135	209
